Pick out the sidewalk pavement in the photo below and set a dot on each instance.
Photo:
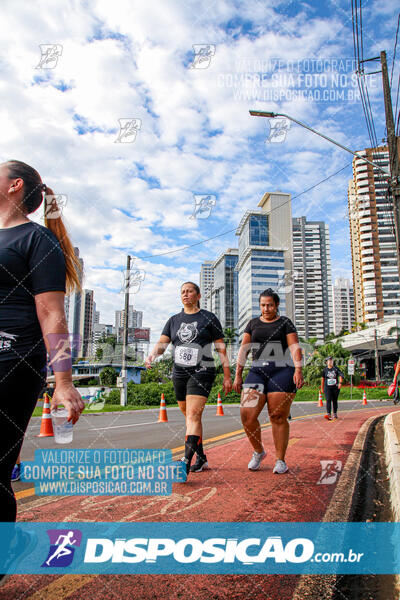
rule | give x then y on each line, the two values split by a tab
226	492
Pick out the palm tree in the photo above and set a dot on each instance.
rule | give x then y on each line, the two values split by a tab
313	369
358	326
230	336
330	336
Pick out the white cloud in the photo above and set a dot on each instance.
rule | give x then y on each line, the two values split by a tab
130	60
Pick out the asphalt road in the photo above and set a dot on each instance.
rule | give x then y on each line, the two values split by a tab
139	428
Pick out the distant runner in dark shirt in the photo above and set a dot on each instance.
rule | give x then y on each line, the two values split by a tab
331	382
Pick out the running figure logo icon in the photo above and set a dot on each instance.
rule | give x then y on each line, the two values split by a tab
278	131
203	206
128	129
330	471
50	53
202	56
62	547
54	206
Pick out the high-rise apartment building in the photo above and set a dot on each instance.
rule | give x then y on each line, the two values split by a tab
343	305
135	319
86	323
206	283
224	292
373	247
72	305
96	314
312	281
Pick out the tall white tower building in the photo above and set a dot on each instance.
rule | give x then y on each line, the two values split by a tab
312	279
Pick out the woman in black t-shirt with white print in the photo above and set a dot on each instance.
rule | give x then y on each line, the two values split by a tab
193	332
275	375
37	264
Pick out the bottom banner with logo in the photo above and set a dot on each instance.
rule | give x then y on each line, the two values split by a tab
281	548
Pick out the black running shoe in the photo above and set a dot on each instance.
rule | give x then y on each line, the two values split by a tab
187	464
200	464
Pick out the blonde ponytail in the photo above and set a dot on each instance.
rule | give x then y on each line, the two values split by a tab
54	222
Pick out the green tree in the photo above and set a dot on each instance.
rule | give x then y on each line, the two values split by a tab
357	326
108	376
311	341
160	372
98	354
230	336
314	367
330	336
343	332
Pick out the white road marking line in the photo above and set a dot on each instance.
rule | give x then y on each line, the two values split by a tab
117	426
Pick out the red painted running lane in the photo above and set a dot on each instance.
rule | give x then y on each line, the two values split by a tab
226	492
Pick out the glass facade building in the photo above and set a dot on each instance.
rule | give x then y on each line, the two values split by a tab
264	256
225	292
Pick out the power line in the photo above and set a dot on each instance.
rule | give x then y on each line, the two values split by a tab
394	49
364	95
397	99
234	229
398	119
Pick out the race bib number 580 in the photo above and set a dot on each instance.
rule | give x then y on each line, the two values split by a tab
186	356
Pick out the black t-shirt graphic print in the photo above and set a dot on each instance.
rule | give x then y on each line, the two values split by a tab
331	376
31	262
192	336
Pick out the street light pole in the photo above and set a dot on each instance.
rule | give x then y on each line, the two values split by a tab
392	140
124	388
272	115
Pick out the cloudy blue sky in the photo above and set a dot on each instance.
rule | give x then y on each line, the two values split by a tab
141	62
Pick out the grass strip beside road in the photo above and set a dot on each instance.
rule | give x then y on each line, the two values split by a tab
306	394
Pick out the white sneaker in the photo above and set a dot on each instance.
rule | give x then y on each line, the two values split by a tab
256	459
280	467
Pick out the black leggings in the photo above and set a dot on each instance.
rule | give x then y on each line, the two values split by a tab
21	382
331	395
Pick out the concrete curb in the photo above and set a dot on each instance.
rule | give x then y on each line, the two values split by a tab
323	586
392	452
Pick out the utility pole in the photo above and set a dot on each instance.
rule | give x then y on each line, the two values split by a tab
124	388
393	153
377	370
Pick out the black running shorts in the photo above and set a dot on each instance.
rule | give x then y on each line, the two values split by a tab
272	378
193	384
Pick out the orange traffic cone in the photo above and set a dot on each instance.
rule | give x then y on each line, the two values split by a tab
364	400
320	403
220	410
46	426
162	417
